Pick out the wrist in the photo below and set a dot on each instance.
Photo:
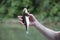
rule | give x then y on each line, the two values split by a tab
36	23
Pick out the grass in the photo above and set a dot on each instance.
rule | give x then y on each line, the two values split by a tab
11	30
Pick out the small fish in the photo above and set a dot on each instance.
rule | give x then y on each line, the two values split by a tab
26	19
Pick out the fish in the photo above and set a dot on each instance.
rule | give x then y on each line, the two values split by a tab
26	19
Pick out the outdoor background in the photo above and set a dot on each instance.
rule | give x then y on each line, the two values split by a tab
47	12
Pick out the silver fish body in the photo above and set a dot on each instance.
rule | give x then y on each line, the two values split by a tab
26	19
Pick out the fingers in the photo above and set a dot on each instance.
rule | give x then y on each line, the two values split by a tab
30	15
20	18
27	14
21	22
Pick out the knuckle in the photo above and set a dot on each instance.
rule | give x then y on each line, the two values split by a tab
31	14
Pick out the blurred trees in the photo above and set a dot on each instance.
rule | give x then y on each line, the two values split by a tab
45	8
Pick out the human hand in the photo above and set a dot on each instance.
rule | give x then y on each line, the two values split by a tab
32	19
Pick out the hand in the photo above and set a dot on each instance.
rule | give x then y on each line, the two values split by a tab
32	19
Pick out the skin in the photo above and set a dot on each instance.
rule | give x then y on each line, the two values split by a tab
48	33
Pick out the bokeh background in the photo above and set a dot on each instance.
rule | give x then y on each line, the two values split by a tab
47	12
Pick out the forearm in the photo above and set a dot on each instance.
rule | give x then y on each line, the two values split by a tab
45	31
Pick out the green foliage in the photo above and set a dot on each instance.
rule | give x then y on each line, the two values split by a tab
46	8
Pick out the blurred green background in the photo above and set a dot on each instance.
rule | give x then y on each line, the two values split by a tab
47	12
